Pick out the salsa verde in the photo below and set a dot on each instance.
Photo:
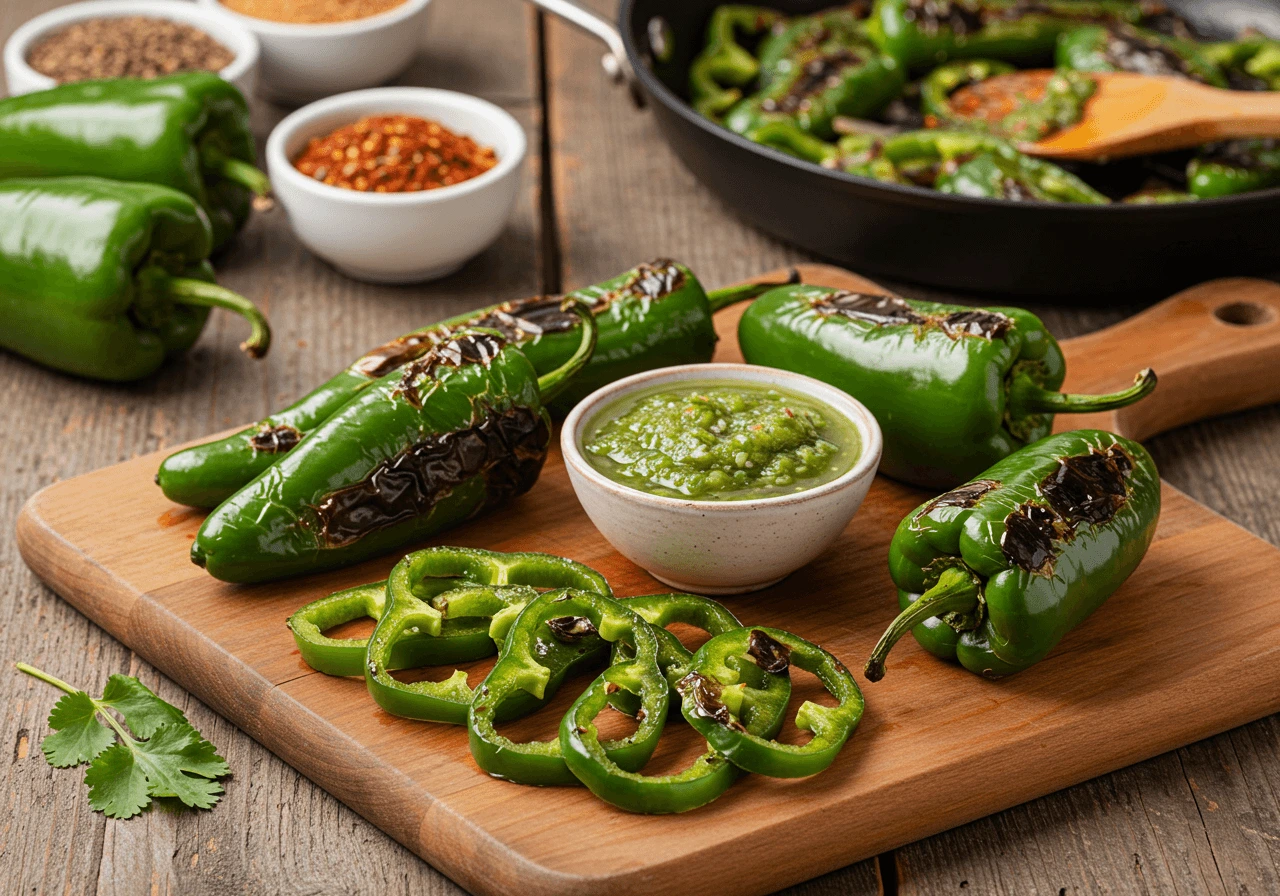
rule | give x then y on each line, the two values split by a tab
720	441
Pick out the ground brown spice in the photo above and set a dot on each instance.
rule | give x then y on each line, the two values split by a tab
126	47
313	12
394	154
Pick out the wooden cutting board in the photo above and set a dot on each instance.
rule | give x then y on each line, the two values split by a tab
1189	647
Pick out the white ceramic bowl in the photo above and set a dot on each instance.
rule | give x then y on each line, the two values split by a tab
720	547
399	237
305	62
22	78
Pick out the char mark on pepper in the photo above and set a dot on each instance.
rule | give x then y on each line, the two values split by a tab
571	629
457	351
507	448
768	653
930	16
653	280
890	311
706	699
397	353
275	439
818	74
986	324
527	319
967	495
1129	51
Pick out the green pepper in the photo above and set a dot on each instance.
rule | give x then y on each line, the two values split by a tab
460	430
832	27
1124	48
188	131
107	279
1027	106
654	315
1236	166
838	77
715	693
1265	64
936	87
860	154
925	33
954	388
995	573
553	623
422	604
718	74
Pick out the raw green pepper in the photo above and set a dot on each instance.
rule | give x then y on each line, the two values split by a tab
954	388
654	315
188	131
550	625
1236	166
714	694
421	602
458	431
724	67
106	279
1124	48
995	573
925	33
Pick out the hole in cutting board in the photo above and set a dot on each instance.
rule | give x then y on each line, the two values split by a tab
1243	314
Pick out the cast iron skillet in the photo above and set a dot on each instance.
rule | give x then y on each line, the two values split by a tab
918	235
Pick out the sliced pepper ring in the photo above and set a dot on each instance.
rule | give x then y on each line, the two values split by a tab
713	692
549	633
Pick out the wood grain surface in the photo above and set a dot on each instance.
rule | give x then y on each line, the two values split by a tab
602	193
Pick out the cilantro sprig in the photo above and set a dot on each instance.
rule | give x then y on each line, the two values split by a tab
159	755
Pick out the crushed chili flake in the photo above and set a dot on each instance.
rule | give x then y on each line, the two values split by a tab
394	154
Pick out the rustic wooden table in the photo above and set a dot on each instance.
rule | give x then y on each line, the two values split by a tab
602	192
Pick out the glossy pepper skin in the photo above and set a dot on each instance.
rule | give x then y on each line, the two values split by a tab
996	572
654	315
106	279
188	131
1098	48
954	388
719	73
1237	166
925	33
786	40
461	430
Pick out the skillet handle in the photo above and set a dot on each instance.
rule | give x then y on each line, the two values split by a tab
1215	347
615	62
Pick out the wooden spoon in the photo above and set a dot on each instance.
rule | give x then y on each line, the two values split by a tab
1131	114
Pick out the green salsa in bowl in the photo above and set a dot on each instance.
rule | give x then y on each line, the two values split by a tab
720	478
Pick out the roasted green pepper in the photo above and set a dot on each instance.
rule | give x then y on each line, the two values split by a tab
106	279
654	315
954	388
458	431
925	33
994	573
936	87
983	95
719	73
1124	48
188	131
831	27
1236	166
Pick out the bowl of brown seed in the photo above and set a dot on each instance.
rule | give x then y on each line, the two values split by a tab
128	39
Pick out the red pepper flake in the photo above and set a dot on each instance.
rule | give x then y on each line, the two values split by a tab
394	154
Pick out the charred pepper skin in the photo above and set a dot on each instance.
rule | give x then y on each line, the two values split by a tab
995	573
188	131
107	279
1098	48
459	431
718	73
954	388
654	315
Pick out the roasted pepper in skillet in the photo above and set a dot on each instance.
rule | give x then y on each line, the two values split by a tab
1123	48
788	39
458	431
925	33
983	95
937	87
994	573
954	388
106	279
654	315
724	67
1236	166
188	131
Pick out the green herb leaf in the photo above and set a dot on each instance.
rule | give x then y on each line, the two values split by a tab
143	711
117	785
78	735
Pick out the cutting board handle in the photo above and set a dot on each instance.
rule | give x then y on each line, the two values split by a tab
1215	348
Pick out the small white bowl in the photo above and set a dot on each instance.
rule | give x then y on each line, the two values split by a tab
399	237
302	62
22	78
720	547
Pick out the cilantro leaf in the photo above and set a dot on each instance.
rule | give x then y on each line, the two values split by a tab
166	758
78	735
117	785
143	711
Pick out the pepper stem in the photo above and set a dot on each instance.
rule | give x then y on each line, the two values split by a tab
186	291
956	591
251	177
552	383
1026	397
46	678
731	295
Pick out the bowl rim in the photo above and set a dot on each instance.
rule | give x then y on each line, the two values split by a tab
24	37
280	166
855	411
391	17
